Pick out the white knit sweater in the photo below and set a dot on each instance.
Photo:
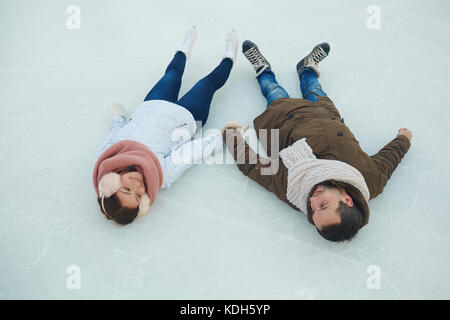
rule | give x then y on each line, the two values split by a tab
305	171
152	124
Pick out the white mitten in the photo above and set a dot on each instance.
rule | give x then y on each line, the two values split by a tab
116	108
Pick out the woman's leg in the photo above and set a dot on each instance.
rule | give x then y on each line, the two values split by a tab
270	88
310	86
169	86
198	99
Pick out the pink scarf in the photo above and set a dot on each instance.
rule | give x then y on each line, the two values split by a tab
126	153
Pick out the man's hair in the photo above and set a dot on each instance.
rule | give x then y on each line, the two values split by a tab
114	210
352	218
351	221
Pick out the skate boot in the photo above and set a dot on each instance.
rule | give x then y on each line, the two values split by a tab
188	41
231	45
251	52
317	54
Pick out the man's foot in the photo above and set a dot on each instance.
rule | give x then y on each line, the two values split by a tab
188	41
231	45
251	52
317	54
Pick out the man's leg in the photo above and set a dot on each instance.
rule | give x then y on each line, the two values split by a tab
198	99
308	71
169	86
270	88
309	85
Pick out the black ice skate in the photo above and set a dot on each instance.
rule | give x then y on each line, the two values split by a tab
251	52
317	54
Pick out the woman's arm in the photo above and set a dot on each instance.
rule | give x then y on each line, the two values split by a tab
188	154
117	122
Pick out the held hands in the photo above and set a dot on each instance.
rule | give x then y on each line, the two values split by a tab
235	126
405	132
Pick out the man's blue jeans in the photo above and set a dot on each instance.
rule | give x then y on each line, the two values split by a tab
309	86
198	99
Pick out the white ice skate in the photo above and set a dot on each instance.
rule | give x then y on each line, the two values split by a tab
188	41
231	45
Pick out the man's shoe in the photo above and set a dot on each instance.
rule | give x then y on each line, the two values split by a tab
312	60
251	52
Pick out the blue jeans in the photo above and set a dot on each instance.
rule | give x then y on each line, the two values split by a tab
198	99
309	85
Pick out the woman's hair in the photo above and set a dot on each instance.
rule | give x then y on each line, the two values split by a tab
114	210
352	218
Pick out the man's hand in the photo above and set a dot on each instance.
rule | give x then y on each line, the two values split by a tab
405	132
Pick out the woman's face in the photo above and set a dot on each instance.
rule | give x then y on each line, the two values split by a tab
324	204
132	189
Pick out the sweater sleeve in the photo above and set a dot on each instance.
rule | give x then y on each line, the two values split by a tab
260	169
388	158
118	121
188	154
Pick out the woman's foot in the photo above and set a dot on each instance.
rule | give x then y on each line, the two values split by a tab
251	52
231	45
188	42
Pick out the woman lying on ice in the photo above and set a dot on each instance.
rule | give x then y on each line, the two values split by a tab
138	157
322	170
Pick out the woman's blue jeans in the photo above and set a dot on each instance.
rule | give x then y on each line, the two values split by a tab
198	99
309	86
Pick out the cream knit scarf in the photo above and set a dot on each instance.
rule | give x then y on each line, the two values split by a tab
305	171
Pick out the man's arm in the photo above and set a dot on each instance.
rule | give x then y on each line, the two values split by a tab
260	169
388	158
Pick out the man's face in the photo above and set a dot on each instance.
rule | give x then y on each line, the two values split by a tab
132	189
324	204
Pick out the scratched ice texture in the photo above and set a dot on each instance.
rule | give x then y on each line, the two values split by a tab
215	234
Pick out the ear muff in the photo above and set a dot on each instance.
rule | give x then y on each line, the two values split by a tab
109	184
144	205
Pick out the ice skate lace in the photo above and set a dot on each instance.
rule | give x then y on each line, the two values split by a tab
317	55
255	57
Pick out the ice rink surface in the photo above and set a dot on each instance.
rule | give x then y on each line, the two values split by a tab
215	234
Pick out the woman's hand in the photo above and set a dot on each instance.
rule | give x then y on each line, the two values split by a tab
117	108
405	132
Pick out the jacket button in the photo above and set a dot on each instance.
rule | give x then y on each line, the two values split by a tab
340	134
290	116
